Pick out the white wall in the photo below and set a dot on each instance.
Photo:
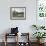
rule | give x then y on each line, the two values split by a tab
24	25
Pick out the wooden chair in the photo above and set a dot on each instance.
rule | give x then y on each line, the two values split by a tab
23	35
8	34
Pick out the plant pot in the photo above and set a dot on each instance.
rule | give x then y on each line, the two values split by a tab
40	41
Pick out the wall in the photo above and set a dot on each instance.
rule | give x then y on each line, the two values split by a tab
24	25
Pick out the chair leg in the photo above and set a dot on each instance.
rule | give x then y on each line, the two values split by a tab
5	39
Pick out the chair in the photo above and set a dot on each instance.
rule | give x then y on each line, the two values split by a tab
14	32
25	37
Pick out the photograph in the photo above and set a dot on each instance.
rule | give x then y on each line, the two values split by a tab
17	13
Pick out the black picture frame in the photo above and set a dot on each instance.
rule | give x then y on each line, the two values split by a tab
18	13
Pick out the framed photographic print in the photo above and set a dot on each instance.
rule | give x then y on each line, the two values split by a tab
17	13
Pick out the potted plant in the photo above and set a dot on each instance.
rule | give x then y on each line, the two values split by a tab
39	35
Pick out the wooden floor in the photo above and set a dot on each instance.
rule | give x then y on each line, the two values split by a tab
13	44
